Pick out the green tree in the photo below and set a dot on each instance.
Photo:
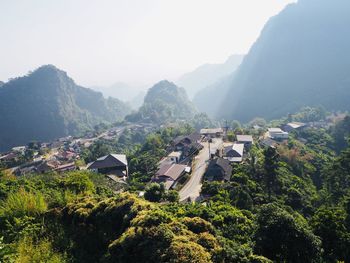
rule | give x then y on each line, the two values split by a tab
172	196
235	124
285	238
337	176
270	166
330	225
155	192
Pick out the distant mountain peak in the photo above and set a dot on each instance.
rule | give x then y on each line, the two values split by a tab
164	102
300	59
208	74
47	104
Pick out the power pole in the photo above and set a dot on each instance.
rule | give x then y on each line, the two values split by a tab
225	128
209	149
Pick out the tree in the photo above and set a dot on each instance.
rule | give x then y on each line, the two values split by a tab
235	124
330	225
284	238
155	192
271	165
337	176
340	132
172	196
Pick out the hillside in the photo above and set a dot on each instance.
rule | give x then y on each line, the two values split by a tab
209	99
301	58
208	74
164	102
47	104
297	192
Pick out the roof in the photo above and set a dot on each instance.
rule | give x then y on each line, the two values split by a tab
237	148
296	125
275	130
211	131
173	171
269	142
66	166
224	165
197	146
175	154
244	138
193	137
108	161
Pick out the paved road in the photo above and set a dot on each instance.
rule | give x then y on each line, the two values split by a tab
193	186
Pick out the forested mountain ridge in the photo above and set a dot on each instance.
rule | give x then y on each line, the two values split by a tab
164	102
300	59
47	104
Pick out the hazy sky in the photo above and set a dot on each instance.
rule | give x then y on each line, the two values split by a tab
99	42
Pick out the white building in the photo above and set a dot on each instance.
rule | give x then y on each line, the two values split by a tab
291	126
174	157
277	133
234	153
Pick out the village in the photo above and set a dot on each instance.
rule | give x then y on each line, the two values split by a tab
208	154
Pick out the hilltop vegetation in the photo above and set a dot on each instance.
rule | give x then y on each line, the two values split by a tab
47	104
164	102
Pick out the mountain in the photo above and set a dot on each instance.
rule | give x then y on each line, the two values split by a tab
209	99
208	74
1	83
47	104
164	102
301	58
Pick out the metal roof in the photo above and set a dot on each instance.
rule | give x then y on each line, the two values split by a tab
244	138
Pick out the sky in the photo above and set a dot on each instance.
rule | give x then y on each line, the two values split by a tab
139	42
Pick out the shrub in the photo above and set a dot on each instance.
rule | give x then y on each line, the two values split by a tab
21	204
30	252
79	182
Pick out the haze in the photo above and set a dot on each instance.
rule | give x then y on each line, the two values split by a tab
133	41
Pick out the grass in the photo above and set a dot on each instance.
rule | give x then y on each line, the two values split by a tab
22	203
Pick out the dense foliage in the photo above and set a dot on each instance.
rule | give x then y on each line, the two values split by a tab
164	102
290	203
47	104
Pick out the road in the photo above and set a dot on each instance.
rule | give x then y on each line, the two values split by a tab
193	186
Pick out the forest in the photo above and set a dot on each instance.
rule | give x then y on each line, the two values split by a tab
290	203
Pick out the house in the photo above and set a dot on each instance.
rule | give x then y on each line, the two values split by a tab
174	157
212	133
19	149
277	134
169	174
267	142
8	157
29	169
247	140
188	145
234	153
111	164
45	167
219	169
66	167
291	126
184	141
